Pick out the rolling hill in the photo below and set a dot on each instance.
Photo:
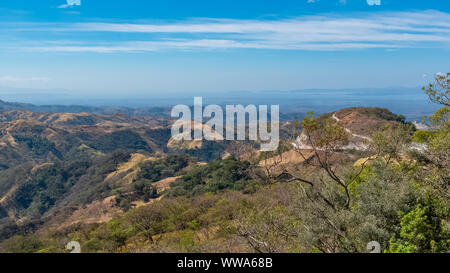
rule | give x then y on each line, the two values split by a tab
63	169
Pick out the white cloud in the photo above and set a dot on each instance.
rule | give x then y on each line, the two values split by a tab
138	46
387	30
70	3
374	2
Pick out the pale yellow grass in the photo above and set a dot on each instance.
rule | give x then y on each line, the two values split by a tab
131	164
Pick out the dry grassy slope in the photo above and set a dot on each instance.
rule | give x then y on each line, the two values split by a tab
62	129
284	161
128	170
59	127
364	121
80	119
100	211
192	144
68	133
360	122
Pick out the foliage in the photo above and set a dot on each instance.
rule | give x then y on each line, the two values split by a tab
439	91
145	189
21	244
216	176
422	136
39	146
40	192
326	134
421	231
156	170
124	139
335	200
160	136
391	142
210	150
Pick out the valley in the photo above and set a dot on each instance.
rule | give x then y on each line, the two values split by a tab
65	173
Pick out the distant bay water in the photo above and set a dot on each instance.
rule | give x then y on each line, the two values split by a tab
410	102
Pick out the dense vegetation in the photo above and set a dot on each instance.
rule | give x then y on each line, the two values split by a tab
46	184
38	146
218	175
156	170
126	139
331	200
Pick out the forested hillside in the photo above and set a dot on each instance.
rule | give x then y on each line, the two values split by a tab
120	184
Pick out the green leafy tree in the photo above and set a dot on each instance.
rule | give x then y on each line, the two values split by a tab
421	232
438	140
22	244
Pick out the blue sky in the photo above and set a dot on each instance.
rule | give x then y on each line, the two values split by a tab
160	47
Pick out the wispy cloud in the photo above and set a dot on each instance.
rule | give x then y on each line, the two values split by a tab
70	3
387	30
13	79
138	46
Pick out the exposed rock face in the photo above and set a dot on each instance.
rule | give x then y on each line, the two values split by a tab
421	126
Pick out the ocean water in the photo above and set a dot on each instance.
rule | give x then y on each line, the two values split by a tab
411	102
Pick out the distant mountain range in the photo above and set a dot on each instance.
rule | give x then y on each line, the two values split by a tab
163	112
110	110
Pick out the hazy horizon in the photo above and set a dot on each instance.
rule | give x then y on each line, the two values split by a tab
303	55
110	47
411	102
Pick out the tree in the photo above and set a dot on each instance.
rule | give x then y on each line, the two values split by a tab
341	205
439	91
424	228
325	198
325	139
391	141
438	140
421	232
21	244
145	219
145	188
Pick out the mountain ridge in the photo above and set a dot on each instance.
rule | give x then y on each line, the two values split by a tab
67	164
107	110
